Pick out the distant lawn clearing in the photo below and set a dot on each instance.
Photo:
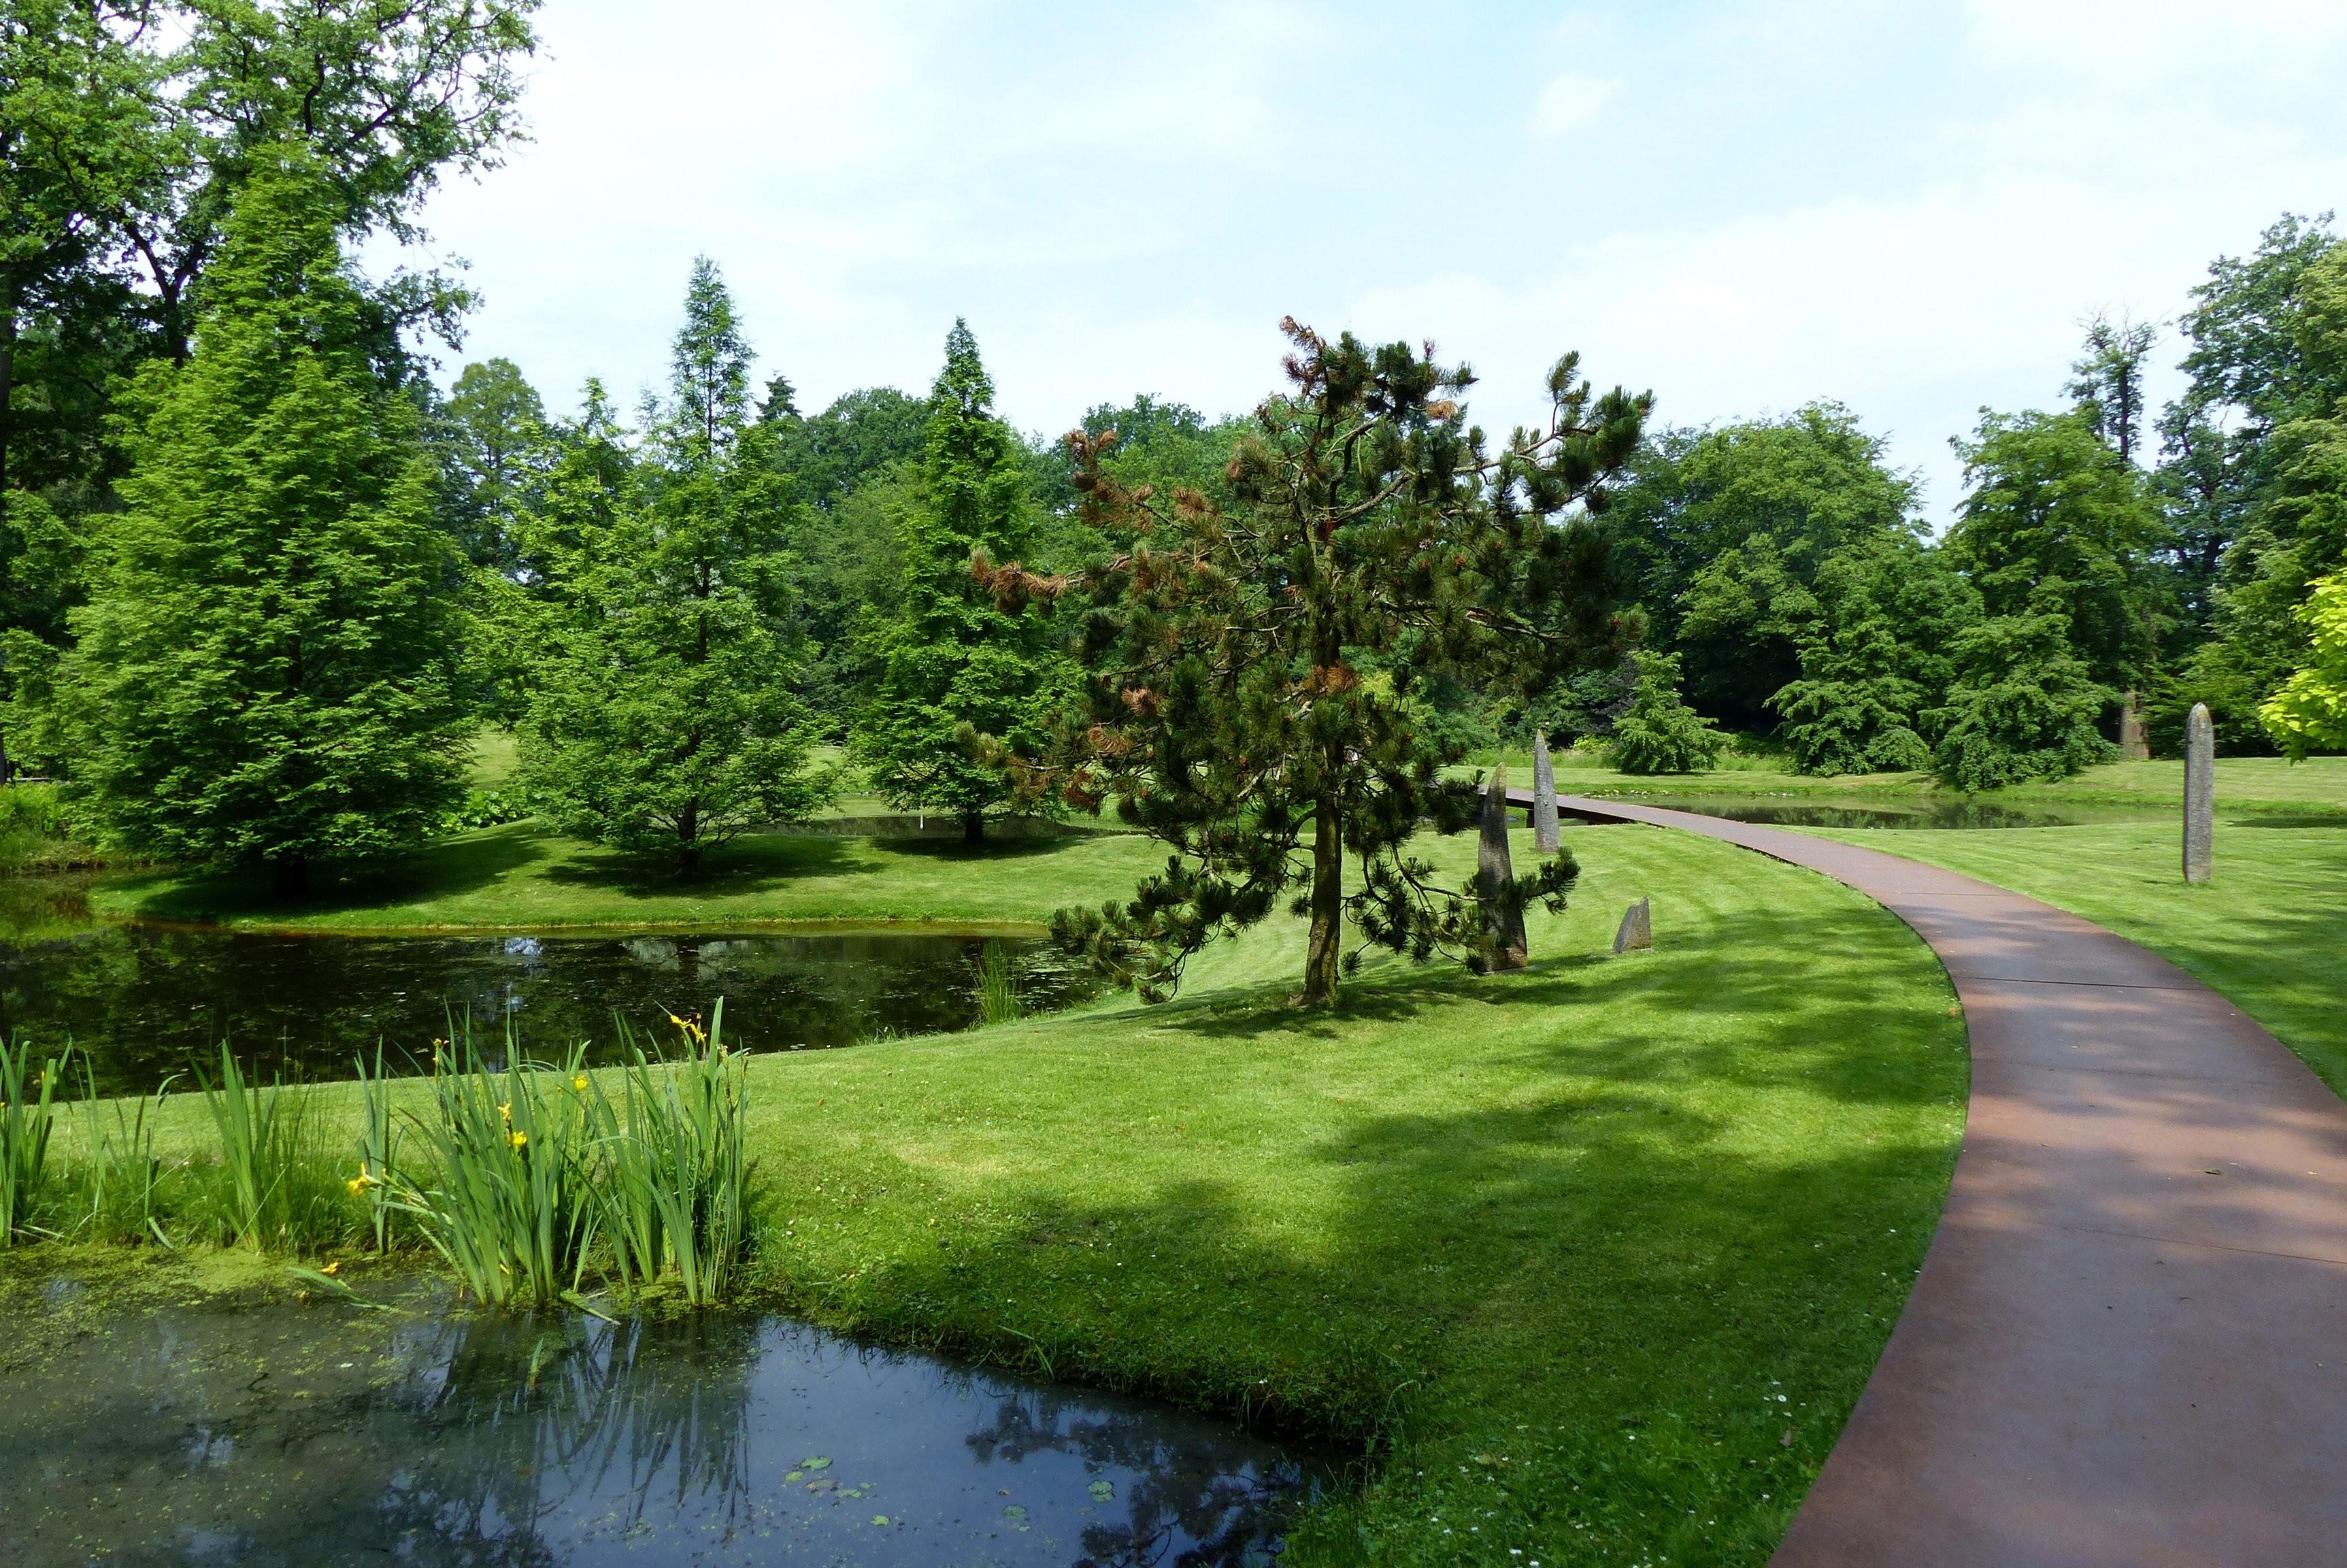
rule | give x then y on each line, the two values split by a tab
1594	1258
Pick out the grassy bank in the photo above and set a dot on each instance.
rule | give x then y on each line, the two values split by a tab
520	877
2270	931
1597	1256
2246	784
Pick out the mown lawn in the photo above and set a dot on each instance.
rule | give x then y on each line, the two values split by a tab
2270	931
520	877
1587	1263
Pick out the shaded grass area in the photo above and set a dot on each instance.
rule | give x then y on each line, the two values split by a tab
2270	931
1593	1259
520	877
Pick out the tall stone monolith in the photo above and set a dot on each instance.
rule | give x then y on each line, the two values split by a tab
2199	795
1544	834
1504	923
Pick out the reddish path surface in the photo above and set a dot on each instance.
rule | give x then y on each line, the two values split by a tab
2128	1342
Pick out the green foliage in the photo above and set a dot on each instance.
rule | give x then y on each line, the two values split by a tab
1722	531
506	1194
2309	714
1660	734
1254	671
2023	705
28	1118
665	719
672	1171
1874	660
957	670
492	438
831	455
2055	520
121	1174
272	1189
264	668
998	993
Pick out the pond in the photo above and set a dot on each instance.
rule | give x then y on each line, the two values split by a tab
324	1435
142	1001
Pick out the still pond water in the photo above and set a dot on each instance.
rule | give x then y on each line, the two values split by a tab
143	1002
324	1435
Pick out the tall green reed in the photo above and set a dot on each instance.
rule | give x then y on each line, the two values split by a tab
1000	997
256	1143
507	1197
378	1150
25	1123
673	1177
122	1173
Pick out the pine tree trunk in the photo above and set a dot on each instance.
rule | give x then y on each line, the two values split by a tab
1328	940
973	829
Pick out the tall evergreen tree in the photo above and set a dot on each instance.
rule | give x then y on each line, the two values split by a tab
264	667
2107	381
665	719
959	670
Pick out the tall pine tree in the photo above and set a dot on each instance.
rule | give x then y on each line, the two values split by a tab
264	668
665	719
959	670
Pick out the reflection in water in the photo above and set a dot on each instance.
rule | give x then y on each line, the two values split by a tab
289	1436
142	1001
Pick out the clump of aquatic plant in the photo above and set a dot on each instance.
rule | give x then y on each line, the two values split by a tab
272	1187
505	1193
673	1172
378	1150
122	1173
27	1116
1002	997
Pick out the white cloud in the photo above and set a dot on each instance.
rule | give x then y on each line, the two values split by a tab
1571	102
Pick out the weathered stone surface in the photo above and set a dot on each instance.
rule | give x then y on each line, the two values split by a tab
1493	870
2199	795
1638	926
1544	834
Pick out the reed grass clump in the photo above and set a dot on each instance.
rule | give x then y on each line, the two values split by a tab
1000	997
673	1172
120	1174
28	1117
275	1186
505	1193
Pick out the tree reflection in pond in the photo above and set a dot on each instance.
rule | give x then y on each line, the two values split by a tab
284	1436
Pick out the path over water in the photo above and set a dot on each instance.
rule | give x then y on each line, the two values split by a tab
2128	1342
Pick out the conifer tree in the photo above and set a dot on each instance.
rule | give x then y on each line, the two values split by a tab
263	670
1256	670
665	719
960	672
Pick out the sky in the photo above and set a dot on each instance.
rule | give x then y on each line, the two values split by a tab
1908	209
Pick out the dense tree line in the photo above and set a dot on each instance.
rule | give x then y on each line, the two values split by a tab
262	575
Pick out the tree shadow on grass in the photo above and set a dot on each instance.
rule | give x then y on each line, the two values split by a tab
749	864
444	868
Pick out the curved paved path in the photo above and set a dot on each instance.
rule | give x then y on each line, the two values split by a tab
2128	1342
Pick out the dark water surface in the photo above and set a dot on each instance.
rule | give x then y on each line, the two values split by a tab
323	1435
142	1001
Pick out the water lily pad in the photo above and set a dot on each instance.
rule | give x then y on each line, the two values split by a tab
880	1519
795	1475
1103	1491
815	1461
1014	1511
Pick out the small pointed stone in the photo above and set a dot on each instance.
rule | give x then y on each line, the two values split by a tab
2199	795
1493	870
1637	927
1544	834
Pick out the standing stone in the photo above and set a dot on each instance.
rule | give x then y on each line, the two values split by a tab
1494	870
1544	834
1637	927
2134	746
2199	795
